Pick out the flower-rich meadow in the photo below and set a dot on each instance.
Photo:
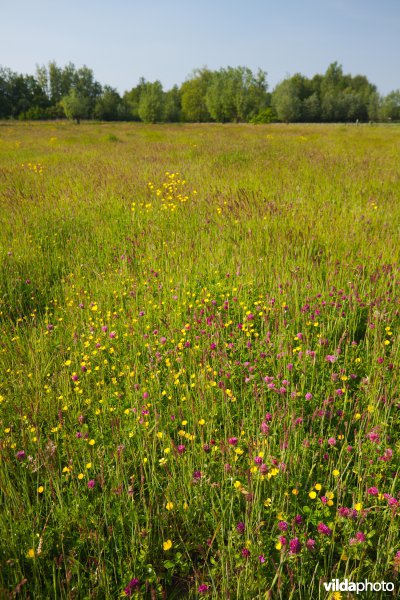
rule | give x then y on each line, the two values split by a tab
199	357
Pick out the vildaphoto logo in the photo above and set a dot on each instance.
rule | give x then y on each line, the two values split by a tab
335	585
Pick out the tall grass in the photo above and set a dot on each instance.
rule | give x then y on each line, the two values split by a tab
199	360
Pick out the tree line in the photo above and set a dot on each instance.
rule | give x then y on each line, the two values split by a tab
231	94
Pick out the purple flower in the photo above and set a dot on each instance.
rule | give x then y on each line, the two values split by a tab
310	543
181	448
308	396
324	529
91	484
373	491
332	441
240	527
245	553
203	588
295	546
283	526
197	475
131	587
233	441
20	455
261	558
298	519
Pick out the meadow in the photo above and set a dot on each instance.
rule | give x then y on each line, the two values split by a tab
199	392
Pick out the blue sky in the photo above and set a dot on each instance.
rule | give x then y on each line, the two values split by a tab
122	40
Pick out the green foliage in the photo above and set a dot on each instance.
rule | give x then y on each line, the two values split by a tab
236	95
232	94
390	110
76	106
193	96
151	103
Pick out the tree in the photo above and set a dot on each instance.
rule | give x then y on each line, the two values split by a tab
132	99
151	104
76	106
172	105
235	94
390	110
193	96
286	101
108	105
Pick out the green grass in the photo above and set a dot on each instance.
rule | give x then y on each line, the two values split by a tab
169	296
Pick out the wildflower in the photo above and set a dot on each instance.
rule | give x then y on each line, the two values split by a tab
30	553
310	543
169	506
245	553
203	588
197	475
91	484
283	526
233	441
261	558
295	546
373	491
331	441
20	455
40	489
131	587
324	529
313	495
240	527
167	545
308	396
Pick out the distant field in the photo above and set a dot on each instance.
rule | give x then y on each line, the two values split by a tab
199	359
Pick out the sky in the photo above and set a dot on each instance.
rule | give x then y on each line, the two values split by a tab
123	40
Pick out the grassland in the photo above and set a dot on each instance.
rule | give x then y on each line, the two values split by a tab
199	392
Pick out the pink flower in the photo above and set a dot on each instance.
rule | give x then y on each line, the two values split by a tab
324	529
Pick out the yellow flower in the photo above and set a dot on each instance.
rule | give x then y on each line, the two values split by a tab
313	495
295	491
169	506
335	473
167	545
40	489
237	485
318	486
89	465
201	422
278	546
80	476
91	442
358	506
31	553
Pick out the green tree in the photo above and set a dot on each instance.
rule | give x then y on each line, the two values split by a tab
193	96
151	104
235	94
172	105
390	109
131	99
286	101
108	105
76	106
